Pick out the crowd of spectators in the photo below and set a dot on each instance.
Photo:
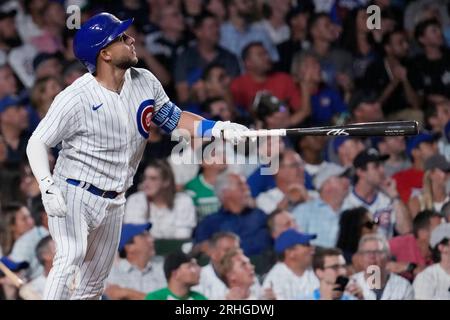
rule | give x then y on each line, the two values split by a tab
342	218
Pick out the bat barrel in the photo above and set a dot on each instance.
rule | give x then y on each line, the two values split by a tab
386	128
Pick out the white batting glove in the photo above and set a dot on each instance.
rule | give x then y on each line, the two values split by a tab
230	131
52	198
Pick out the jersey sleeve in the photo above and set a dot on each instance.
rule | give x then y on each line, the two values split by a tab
61	120
159	95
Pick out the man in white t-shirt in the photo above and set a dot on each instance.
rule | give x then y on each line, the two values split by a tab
376	282
434	282
378	194
292	277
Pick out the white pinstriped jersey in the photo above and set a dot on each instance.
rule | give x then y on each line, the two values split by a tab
103	133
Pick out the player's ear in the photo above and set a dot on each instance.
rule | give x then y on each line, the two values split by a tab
105	55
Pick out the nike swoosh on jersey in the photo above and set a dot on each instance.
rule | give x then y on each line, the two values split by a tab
96	107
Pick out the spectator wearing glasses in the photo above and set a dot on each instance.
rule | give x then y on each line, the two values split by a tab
292	277
353	225
329	267
376	281
434	282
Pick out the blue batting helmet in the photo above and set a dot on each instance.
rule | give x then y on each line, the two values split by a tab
95	34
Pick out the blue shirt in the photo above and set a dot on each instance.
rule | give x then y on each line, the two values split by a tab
235	40
259	183
326	104
250	225
190	65
316	296
317	217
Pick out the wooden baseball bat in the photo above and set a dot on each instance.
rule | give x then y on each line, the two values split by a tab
369	129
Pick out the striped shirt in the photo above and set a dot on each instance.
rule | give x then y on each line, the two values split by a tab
126	275
101	130
317	217
289	286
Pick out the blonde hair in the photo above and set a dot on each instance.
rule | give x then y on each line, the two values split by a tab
226	264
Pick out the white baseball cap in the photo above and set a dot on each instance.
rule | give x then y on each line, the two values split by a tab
327	171
440	233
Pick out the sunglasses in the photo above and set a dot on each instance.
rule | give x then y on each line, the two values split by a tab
122	38
371	224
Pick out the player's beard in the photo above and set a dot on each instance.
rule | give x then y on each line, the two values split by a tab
126	63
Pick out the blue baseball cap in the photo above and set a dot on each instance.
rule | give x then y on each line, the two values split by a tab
290	238
11	101
12	265
129	231
416	140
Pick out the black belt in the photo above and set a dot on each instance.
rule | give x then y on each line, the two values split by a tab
93	189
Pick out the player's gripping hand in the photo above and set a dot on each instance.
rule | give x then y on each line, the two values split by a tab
52	198
230	131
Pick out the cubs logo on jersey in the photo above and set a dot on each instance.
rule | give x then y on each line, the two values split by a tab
144	117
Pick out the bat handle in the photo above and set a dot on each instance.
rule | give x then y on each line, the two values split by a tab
264	133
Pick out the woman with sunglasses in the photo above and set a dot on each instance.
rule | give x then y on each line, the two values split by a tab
353	224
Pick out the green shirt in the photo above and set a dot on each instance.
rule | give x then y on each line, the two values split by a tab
166	294
203	195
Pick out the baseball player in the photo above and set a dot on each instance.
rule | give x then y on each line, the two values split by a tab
103	122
